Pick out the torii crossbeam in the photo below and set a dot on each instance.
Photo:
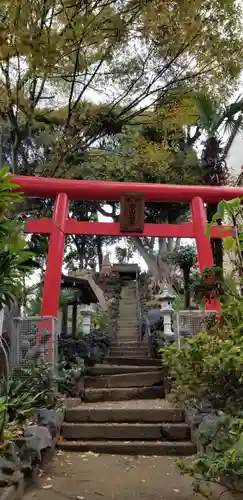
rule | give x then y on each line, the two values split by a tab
59	226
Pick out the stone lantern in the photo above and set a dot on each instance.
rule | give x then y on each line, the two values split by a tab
87	312
166	300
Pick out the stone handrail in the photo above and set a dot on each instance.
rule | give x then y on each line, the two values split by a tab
138	307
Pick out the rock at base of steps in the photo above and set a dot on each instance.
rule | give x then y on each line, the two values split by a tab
123	394
175	448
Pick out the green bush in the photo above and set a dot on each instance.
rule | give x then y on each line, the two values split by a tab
222	458
15	259
208	368
31	388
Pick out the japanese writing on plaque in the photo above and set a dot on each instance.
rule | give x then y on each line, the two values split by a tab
132	213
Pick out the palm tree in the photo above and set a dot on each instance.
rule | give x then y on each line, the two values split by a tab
217	122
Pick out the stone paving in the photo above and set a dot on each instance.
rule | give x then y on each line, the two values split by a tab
89	476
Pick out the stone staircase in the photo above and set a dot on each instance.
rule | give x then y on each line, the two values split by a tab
123	410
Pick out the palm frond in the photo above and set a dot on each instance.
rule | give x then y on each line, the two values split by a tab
207	111
230	114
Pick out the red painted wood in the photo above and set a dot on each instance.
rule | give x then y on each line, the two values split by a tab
204	250
45	187
52	281
72	226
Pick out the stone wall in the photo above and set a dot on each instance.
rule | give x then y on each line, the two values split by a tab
143	291
111	286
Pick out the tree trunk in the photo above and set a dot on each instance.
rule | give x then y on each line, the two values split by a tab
187	294
99	251
216	243
159	272
64	326
74	319
170	245
162	245
149	259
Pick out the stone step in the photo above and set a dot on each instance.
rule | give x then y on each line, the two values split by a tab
123	394
128	308
131	346
132	337
127	338
128	335
176	448
129	343
125	380
127	325
131	305
118	369
130	314
127	315
144	361
83	413
126	431
127	328
130	353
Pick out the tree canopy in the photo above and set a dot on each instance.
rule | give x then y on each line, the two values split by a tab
103	89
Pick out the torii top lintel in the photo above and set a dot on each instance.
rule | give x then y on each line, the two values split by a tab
44	187
65	190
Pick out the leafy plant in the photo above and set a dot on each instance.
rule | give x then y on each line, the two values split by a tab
100	321
207	368
232	212
30	388
185	257
209	285
70	380
15	259
222	458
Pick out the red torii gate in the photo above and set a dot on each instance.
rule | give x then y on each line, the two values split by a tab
59	226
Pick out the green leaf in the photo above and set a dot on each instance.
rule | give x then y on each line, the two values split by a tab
229	243
209	229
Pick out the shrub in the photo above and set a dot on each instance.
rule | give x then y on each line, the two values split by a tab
207	368
31	388
222	460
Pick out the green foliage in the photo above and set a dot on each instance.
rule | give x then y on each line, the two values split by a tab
222	457
30	388
210	284
70	379
100	321
232	212
207	368
124	254
15	259
76	49
185	256
216	119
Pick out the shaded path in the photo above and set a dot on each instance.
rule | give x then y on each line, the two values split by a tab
88	476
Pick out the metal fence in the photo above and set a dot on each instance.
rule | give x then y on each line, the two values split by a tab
34	338
189	323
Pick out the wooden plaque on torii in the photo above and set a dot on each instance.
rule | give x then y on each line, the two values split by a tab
132	213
